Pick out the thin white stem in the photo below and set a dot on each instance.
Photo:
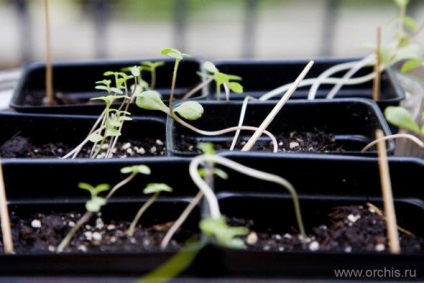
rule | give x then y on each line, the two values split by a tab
211	197
395	136
276	109
241	119
386	187
197	88
120	184
371	59
183	216
140	212
227	92
4	217
333	70
224	131
74	229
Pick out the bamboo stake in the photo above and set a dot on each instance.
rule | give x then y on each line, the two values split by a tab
4	216
376	84
49	70
276	108
386	186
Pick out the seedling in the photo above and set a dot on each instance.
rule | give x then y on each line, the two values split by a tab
207	174
155	189
107	128
151	67
95	203
217	221
401	118
178	56
230	82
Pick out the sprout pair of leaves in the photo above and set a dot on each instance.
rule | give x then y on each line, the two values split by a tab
221	78
401	118
151	100
96	202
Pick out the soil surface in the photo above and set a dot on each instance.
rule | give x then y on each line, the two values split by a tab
44	232
22	147
315	141
351	229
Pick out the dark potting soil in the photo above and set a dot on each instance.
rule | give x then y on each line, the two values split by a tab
351	229
42	233
315	141
22	147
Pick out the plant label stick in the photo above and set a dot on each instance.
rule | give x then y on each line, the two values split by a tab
276	108
386	186
4	216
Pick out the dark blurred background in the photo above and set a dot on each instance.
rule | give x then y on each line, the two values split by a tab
214	29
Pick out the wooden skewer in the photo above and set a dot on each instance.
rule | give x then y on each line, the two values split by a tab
386	186
49	70
376	84
4	216
276	109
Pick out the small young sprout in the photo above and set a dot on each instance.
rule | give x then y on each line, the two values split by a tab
155	189
93	205
222	79
224	234
96	202
178	56
151	67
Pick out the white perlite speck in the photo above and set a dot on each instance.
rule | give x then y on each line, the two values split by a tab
252	238
36	223
380	247
153	149
126	146
348	249
293	145
314	246
159	142
97	236
353	218
82	248
88	235
71	223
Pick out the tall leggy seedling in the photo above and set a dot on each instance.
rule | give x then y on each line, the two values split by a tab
216	224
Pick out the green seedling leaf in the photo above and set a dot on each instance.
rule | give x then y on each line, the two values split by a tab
149	65
151	100
411	24
116	90
236	87
95	137
112	133
210	67
202	75
221	78
410	65
224	234
95	204
102	87
156	188
108	73
174	53
94	191
143	169
234	78
190	110
220	173
206	148
401	118
135	71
